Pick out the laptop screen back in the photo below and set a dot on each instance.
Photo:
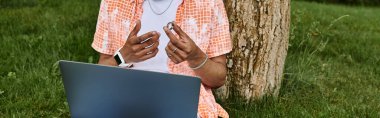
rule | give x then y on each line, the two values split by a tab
95	91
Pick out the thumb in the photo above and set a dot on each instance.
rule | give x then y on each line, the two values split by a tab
136	29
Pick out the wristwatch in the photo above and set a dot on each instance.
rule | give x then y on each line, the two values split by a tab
120	60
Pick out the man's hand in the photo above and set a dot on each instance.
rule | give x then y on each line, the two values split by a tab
183	48
140	48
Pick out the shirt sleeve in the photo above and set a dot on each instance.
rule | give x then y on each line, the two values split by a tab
220	42
102	42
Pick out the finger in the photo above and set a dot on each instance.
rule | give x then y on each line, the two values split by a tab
146	45
179	52
174	39
174	57
149	43
156	37
150	55
148	50
178	30
150	35
170	56
145	37
136	29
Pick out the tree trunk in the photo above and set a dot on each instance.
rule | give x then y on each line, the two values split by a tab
260	32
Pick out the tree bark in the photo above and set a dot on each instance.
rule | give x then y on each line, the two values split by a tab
260	32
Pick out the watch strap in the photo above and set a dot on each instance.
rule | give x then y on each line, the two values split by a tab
120	60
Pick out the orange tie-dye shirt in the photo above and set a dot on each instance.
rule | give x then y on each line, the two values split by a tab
205	21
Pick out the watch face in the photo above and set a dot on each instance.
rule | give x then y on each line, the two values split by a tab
117	58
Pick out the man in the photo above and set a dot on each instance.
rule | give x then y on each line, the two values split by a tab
137	34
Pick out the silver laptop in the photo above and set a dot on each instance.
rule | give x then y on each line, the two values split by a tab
95	91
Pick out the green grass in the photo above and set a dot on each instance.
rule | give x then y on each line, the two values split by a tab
332	68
